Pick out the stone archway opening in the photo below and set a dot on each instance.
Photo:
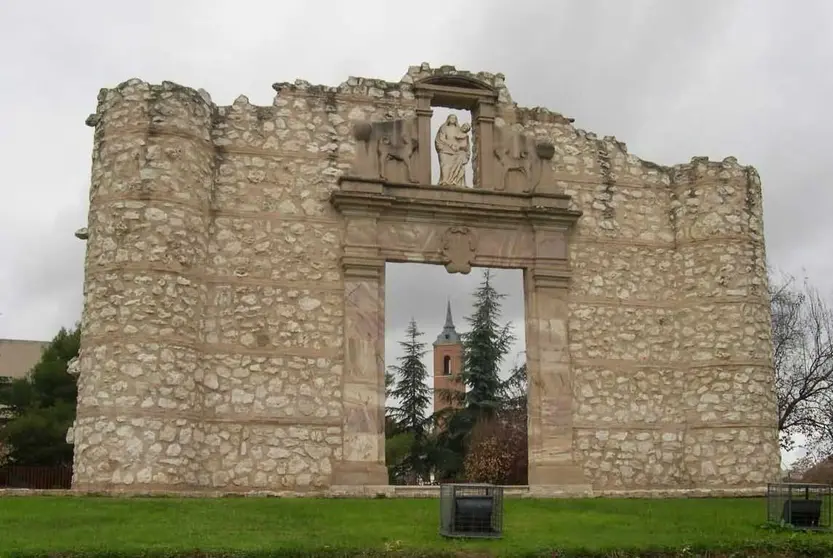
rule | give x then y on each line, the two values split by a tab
440	306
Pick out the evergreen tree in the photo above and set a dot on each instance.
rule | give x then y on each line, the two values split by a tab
41	407
397	443
390	423
411	391
484	348
514	389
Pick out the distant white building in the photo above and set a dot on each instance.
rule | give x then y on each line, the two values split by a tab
18	356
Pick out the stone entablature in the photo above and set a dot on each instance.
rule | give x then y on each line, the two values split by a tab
233	328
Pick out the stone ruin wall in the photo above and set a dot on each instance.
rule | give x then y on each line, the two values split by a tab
213	329
669	322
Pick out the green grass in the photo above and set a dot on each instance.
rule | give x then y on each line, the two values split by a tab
62	524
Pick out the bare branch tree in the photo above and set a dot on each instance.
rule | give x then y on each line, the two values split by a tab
802	335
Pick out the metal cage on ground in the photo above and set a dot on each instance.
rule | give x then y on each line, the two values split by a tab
800	505
471	510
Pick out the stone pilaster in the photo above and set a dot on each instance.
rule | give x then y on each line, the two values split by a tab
550	396
484	119
363	386
424	114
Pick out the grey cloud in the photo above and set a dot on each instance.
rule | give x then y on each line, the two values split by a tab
676	79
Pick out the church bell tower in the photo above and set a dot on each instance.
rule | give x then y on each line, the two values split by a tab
448	362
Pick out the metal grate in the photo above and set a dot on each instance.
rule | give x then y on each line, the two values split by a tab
801	505
471	510
37	478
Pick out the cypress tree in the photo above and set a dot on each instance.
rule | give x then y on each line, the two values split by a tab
411	391
484	348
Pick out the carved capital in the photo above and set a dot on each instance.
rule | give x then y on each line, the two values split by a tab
551	276
459	248
485	111
550	243
360	197
365	267
424	103
552	213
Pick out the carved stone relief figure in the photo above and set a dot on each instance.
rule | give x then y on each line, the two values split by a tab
453	146
522	163
397	148
514	168
386	150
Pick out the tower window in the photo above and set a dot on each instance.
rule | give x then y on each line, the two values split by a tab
447	365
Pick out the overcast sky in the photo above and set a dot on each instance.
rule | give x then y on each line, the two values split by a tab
671	78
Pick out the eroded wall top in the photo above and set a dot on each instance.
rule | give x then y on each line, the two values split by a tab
377	100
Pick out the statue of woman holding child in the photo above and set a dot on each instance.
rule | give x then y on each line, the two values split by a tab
453	147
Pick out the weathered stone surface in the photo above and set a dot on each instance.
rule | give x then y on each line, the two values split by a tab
266	456
138	232
617	459
671	399
140	377
293	386
276	250
150	303
266	318
232	336
623	273
119	451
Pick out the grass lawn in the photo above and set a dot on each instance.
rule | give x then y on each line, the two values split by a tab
59	524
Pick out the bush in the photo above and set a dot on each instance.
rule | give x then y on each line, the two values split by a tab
497	453
820	473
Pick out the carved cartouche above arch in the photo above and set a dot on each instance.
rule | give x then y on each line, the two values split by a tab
459	246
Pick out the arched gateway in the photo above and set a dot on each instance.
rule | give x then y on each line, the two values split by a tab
233	332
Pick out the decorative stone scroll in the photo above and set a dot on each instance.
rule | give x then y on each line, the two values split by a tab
459	248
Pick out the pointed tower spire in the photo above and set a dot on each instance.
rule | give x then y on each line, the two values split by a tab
449	335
